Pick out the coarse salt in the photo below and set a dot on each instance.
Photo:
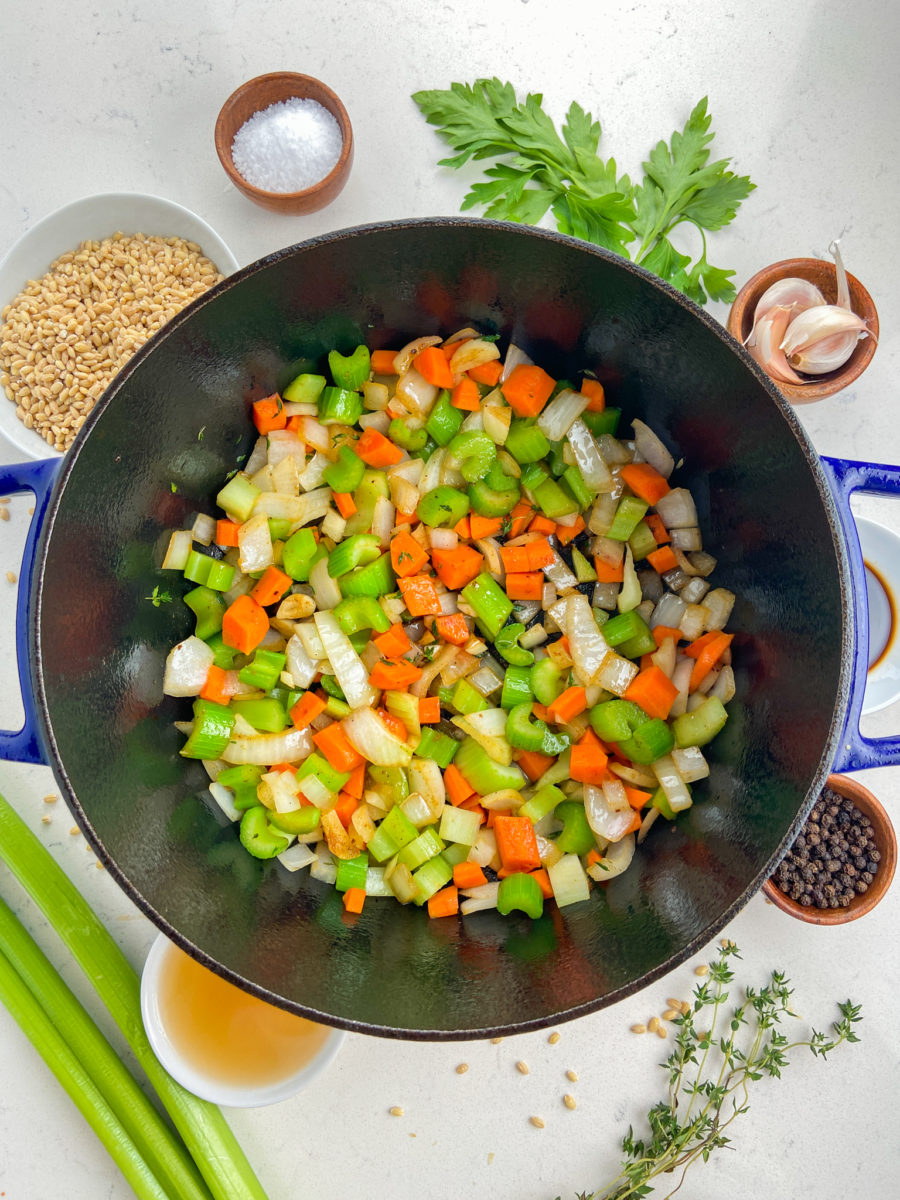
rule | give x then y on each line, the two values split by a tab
288	146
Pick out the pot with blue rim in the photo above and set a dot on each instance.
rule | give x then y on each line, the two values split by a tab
92	648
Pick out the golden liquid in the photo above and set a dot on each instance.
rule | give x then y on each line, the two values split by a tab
226	1033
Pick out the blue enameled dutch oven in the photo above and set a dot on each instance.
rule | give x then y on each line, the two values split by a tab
155	450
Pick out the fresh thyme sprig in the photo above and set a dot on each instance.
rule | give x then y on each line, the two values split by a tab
716	1058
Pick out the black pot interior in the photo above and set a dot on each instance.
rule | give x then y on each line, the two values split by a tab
156	450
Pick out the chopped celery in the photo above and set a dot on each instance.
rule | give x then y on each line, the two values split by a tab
443	507
507	645
361	612
525	442
323	771
340	406
476	452
482	773
298	554
355	551
437	746
642	541
543	801
391	835
489	602
212	730
521	732
431	877
584	572
568	880
553	501
576	485
346	474
427	845
209	609
351	872
616	720
374	487
650	741
576	836
628	513
300	821
404	437
305	389
257	835
547	681
459	825
517	687
237	498
700	726
466	699
602	422
375	579
444	420
350	370
266	714
264	671
522	892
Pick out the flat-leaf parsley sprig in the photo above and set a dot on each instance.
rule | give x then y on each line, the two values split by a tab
538	170
716	1058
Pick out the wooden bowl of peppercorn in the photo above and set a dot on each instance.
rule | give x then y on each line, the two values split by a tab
827	876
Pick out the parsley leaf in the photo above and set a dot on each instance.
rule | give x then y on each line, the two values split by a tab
537	170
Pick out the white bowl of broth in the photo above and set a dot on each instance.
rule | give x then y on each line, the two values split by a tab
222	1043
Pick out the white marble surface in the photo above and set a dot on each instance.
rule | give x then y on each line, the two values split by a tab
805	98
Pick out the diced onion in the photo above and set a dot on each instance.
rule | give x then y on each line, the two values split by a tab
426	778
668	612
296	857
371	738
616	673
375	396
515	357
187	667
719	604
496	420
299	510
259	456
671	783
557	418
314	472
346	663
379	421
315	434
289	747
180	546
677	509
604	820
333	525
255	545
594	471
224	797
284	443
473	353
690	764
617	859
327	590
652	450
415	393
587	645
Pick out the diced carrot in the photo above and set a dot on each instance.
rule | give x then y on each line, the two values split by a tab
457	787
653	691
433	367
269	414
354	899
540	712
271	586
663	559
402	518
646	660
533	763
462	528
708	657
448	349
420	596
394	724
244	624
695	648
636	798
345	504
659	531
466	395
527	585
541	524
515	558
488	373
393	643
482	527
661	632
345	806
516	843
645	481
540	554
333	743
444	903
568	533
468	875
452	628
383	362
408	556
396	675
542	879
588	759
571	703
295	423
594	856
376	450
457	567
607	573
597	402
216	685
519	518
284	768
472	805
636	823
227	533
355	785
429	710
527	389
307	708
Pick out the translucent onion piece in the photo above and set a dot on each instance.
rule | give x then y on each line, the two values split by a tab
795	294
672	783
431	475
615	861
314	471
349	671
651	449
375	396
383	516
284	443
594	471
473	353
426	778
515	357
496	420
484	851
641	777
616	674
255	544
615	795
415	393
262	749
379	421
309	638
224	797
605	821
299	510
187	667
416	809
690	764
442	539
404	357
559	574
203	529
503	801
328	593
286	476
652	816
333	525
315	434
587	645
280	790
724	688
296	857
343	843
677	509
441	660
180	545
259	456
557	418
719	602
371	738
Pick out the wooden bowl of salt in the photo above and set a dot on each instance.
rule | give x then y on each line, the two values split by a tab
286	142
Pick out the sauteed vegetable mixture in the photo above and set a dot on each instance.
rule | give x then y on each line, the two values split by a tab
456	641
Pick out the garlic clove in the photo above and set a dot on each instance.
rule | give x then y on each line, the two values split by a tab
817	323
765	344
843	287
825	355
793	293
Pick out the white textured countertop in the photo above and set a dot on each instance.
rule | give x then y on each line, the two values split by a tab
805	98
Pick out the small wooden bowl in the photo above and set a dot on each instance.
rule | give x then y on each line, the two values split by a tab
885	840
255	96
824	276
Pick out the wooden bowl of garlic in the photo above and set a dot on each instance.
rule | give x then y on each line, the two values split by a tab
808	354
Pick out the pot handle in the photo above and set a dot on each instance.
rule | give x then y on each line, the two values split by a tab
38	477
846	476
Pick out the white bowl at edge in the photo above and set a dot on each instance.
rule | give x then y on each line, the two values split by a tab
216	1090
93	218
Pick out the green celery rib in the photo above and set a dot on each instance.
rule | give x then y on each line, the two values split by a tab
163	1152
67	1068
206	1133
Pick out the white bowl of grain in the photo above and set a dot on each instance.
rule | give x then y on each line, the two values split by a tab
64	335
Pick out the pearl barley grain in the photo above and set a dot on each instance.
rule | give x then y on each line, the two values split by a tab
288	146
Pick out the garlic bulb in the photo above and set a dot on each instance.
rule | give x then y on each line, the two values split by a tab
794	329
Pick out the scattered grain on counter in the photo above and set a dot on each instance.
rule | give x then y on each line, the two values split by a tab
569	1100
653	1024
462	1068
522	1067
639	1028
45	820
671	1013
681	1005
537	1122
703	969
50	799
396	1111
65	336
11	577
4	514
572	1076
496	1041
661	1032
553	1038
99	865
74	831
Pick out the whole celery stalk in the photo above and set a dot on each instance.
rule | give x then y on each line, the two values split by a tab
204	1129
